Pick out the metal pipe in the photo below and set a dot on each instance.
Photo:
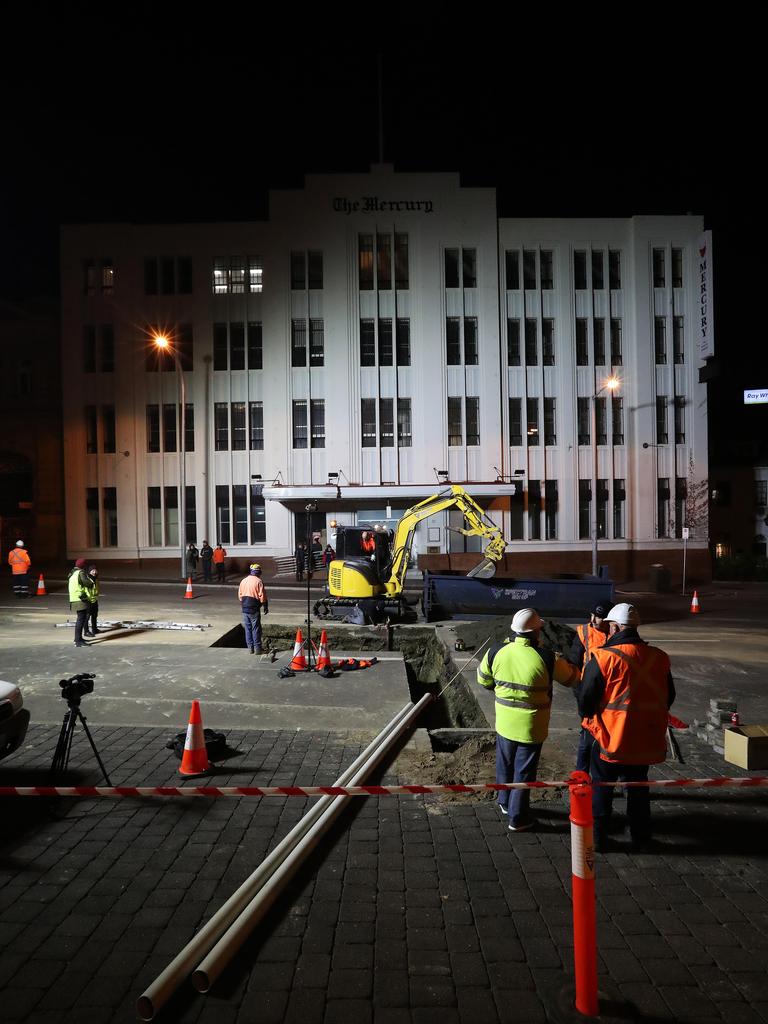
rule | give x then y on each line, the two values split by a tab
228	945
166	983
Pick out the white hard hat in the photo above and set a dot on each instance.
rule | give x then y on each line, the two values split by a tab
526	621
624	615
19	543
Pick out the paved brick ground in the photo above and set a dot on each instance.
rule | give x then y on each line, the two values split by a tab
415	910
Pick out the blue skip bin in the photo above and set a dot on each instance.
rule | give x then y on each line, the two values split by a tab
563	597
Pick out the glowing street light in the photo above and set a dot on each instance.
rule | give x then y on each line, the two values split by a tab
163	344
611	384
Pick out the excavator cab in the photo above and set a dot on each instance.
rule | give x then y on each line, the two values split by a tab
361	566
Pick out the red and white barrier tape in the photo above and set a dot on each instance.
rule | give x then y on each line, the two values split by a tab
216	791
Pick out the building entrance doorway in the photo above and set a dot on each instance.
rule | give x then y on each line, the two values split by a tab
317	539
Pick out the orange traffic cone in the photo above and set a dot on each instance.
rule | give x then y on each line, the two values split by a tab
41	591
298	662
195	759
323	658
188	595
695	604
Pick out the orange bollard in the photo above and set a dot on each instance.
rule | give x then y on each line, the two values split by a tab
583	894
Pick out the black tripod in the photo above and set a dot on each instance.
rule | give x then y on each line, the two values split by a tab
311	657
64	746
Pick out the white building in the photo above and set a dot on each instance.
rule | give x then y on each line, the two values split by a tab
378	334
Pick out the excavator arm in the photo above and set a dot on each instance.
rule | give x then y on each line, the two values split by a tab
477	525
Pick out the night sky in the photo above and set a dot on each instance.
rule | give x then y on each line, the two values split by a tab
186	120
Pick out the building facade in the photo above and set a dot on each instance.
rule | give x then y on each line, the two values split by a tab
379	335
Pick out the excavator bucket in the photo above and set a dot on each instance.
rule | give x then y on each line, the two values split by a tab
483	570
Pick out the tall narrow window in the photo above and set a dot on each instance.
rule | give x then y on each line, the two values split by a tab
403	341
169	428
154	517
455	425
513	342
89	348
531	342
298	342
315	269
185	348
401	262
107	363
220	280
318	422
237	275
681	492
551	503
582	342
453	341
255	355
473	420
109	504
662	507
529	269
659	274
108	429
384	262
582	417
153	428
470	341
365	262
92	513
451	268
602	508
168	275
677	268
660	339
89	277
579	270
678	340
517	515
385	342
532	419
150	277
237	346
619	497
258	516
548	341
367	343
515	422
512	269
107	277
601	420
240	513
547	277
184	275
190	514
220	347
550	422
221	426
617	417
255	274
171	499
598	327
222	514
386	423
534	510
238	426
316	343
256	426
598	265
298	271
585	509
404	422
614	269
616	354
368	422
189	427
91	430
469	267
679	419
300	424
661	420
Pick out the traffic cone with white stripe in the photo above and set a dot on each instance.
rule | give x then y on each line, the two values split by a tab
695	604
188	592
41	591
323	656
298	662
195	759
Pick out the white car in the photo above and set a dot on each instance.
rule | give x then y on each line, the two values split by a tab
14	718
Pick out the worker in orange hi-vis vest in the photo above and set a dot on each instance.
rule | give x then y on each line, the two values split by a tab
625	694
219	554
589	635
20	562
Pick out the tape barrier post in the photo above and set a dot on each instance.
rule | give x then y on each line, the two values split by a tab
583	894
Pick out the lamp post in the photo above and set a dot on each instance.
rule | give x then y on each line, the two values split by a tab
164	344
611	384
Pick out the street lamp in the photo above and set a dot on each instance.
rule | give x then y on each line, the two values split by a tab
611	384
164	344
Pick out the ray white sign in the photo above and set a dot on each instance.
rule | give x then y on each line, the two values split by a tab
706	323
756	397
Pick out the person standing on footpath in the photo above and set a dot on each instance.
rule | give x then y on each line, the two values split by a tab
521	676
589	635
626	692
191	556
91	622
80	589
20	562
206	556
219	554
253	598
299	556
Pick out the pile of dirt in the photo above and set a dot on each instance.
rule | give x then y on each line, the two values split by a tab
474	762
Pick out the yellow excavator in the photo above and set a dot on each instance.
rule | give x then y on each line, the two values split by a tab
366	580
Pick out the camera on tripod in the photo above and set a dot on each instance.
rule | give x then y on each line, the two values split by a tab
77	686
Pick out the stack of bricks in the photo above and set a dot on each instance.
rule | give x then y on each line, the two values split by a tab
718	718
